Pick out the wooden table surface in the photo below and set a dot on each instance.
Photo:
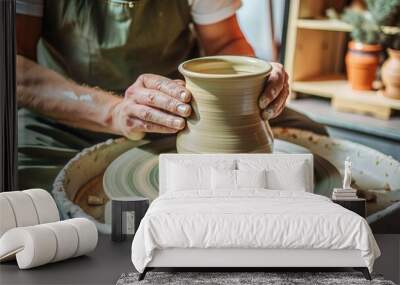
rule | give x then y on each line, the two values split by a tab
321	111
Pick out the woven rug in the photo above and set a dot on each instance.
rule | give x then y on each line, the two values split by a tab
243	278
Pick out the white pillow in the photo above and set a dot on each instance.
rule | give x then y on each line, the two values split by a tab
184	175
223	179
282	174
226	179
183	178
293	180
251	178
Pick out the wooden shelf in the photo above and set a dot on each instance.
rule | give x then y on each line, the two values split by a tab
315	53
344	98
324	24
334	25
322	86
337	86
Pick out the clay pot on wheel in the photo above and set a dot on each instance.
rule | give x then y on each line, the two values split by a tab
226	117
361	62
391	74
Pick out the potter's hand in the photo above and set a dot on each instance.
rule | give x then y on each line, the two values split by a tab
273	99
152	104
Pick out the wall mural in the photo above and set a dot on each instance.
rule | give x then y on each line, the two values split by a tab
83	109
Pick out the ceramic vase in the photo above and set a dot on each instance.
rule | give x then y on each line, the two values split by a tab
362	62
226	117
391	74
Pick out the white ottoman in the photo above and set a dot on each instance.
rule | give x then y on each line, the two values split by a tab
40	244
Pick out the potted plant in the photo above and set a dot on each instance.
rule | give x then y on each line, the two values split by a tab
391	69
387	13
362	58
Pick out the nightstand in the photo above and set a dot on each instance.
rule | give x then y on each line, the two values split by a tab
127	212
357	205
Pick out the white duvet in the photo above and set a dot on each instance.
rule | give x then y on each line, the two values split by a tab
254	218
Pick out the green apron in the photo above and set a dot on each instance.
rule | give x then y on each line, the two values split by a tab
104	43
109	43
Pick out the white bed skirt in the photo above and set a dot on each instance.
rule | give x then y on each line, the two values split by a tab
225	257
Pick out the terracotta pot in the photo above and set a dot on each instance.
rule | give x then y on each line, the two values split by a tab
358	5
391	74
226	117
361	62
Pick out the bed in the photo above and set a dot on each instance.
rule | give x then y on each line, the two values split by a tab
247	210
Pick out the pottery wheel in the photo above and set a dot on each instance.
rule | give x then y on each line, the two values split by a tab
135	172
130	168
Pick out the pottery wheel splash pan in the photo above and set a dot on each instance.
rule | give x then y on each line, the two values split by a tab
135	173
375	173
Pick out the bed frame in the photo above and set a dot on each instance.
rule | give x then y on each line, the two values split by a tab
240	259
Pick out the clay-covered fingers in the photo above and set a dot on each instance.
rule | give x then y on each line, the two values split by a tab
180	82
153	104
158	99
274	85
154	116
134	125
276	107
173	88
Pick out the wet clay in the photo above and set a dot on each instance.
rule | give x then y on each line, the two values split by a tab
226	117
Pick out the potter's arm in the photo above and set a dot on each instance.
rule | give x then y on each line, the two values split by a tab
52	95
224	37
48	93
142	109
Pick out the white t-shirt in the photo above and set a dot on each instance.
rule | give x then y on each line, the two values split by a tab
204	12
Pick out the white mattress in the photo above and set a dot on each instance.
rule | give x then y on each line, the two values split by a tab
252	219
